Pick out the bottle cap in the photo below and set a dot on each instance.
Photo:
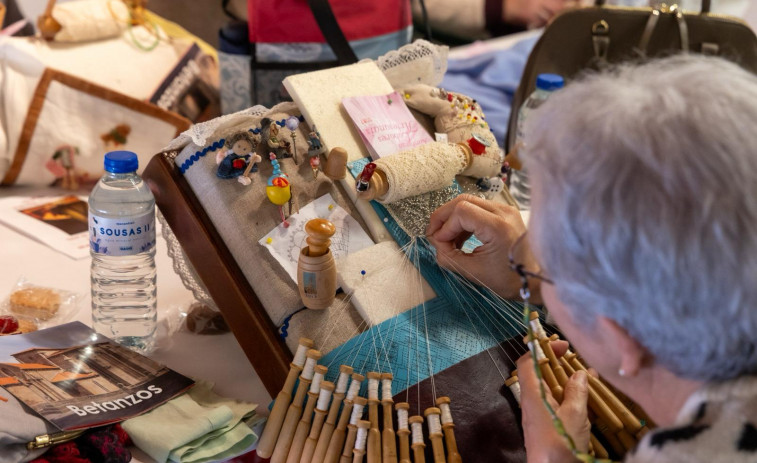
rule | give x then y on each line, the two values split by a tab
121	162
549	82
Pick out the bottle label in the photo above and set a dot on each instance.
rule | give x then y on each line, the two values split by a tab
122	236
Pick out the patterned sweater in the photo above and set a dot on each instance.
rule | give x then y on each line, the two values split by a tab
717	424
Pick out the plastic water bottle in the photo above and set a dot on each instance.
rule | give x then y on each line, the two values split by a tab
122	245
546	84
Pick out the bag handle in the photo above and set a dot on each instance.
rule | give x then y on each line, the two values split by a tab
706	4
331	31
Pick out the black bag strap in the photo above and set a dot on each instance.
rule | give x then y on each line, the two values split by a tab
331	31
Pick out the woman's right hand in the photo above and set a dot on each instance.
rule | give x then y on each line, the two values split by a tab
497	226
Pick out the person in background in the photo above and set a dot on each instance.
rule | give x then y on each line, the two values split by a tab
642	234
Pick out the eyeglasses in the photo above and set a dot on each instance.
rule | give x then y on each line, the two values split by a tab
517	257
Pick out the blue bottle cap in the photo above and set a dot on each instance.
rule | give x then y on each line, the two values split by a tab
549	82
121	162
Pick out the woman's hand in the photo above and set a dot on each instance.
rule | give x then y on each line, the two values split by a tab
543	443
497	226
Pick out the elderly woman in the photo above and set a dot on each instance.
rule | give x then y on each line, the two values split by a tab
644	222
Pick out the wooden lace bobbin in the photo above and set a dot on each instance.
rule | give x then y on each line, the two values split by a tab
321	409
276	418
546	347
417	444
349	443
328	427
610	437
448	426
316	269
303	427
546	369
374	435
284	442
360	439
403	430
388	438
514	385
599	450
433	419
340	432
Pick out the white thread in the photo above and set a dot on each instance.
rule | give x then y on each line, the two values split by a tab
569	353
434	425
386	389
515	388
446	413
315	386
341	384
538	330
357	414
417	430
300	355
535	348
323	399
373	388
361	439
354	390
402	418
309	369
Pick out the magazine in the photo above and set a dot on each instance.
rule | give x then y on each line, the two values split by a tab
78	379
57	221
385	124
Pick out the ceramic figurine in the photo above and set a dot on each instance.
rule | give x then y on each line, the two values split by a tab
494	185
314	141
269	136
239	160
315	162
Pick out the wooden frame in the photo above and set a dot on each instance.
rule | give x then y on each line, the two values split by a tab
217	269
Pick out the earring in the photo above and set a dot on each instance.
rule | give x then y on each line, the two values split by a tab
622	372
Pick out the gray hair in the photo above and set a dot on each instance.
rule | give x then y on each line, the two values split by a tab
644	184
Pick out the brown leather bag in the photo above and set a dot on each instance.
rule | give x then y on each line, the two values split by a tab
594	37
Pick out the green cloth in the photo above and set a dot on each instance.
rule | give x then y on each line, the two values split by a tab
196	427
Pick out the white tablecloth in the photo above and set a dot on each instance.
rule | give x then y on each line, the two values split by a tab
216	358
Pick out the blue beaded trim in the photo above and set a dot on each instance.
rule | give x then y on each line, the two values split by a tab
219	144
198	154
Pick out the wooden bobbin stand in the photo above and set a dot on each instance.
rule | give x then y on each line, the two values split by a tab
349	442
403	433
328	427
453	456
417	445
340	432
388	438
316	270
303	427
315	429
433	419
284	442
276	418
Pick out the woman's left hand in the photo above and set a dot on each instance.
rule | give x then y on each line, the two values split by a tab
543	443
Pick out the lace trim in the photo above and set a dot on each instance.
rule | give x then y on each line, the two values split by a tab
417	62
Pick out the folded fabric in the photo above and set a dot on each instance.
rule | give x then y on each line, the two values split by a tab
196	427
19	425
105	444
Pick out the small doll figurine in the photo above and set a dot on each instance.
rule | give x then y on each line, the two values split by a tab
238	160
494	185
314	140
269	135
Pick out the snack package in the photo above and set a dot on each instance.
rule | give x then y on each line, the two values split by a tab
30	307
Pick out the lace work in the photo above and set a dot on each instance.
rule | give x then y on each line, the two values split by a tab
417	62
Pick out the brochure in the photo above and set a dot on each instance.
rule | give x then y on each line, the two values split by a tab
77	379
385	124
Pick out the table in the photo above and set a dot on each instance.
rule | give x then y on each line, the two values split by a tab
216	358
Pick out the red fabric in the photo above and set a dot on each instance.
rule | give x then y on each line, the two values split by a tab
286	21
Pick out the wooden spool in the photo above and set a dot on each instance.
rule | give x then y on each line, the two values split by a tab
284	442
514	385
328	427
433	420
416	422
316	270
388	438
374	435
340	432
403	432
336	164
359	451
272	428
321	409
349	442
448	427
303	427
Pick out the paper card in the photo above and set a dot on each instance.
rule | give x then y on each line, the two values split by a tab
59	222
285	243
